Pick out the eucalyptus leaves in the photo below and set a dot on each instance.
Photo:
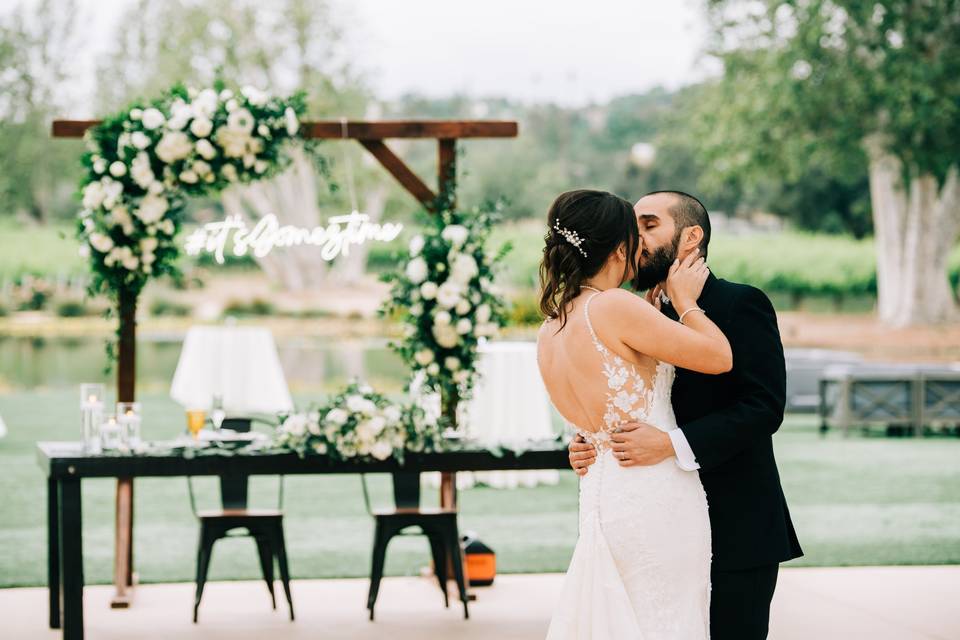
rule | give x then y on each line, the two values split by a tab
144	162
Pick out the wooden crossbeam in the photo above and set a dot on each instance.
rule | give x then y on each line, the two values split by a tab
359	130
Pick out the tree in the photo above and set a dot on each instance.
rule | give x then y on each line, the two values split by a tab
842	84
37	42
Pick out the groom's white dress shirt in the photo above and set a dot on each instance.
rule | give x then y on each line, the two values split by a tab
685	458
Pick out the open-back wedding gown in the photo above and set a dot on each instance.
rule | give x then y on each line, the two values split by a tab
641	566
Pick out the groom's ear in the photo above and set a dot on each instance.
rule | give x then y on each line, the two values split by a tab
690	238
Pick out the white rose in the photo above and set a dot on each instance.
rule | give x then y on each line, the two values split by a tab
463	307
241	120
260	166
483	313
93	195
206	150
464	268
336	416
141	171
461	376
448	295
464	326
416	244
428	290
417	270
256	97
392	414
377	424
423	357
433	369
263	130
446	336
152	118
136	114
112	192
205	103
202	168
226	94
152	208
232	141
381	450
100	242
313	426
320	448
452	363
455	234
442	318
416	309
355	403
229	172
201	127
99	165
156	188
174	146
118	169
140	140
148	245
167	227
296	425
121	217
291	122
189	177
130	262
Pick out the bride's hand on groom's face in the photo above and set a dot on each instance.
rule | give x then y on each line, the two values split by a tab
686	279
639	443
582	455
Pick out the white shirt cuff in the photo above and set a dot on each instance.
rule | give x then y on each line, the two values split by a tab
685	458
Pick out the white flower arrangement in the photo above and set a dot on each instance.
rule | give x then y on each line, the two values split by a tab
143	162
359	422
446	298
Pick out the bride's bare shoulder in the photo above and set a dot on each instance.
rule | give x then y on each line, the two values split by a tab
616	302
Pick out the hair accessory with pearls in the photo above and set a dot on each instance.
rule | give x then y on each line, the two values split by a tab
570	236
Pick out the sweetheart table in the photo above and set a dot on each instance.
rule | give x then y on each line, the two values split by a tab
66	465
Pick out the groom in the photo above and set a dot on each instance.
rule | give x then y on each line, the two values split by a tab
726	424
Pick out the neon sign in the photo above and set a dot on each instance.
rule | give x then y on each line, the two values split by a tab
334	239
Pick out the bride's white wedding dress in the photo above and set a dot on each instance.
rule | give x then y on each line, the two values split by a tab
641	566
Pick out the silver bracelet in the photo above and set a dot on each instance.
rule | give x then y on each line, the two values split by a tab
683	315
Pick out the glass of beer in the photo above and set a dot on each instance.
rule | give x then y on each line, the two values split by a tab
195	421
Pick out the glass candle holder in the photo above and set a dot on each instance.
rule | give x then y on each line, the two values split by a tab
91	415
110	433
129	420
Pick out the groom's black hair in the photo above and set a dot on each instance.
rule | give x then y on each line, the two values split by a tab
688	212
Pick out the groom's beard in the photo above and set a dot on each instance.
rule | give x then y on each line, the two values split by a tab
655	267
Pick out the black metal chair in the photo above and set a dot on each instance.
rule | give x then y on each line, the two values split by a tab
236	519
439	525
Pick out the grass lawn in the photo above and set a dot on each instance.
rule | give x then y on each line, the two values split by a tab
859	501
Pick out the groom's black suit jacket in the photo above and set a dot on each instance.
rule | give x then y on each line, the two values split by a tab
729	421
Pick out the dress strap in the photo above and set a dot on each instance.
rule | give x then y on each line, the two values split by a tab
593	334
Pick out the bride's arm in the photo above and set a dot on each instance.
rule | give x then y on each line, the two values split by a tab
697	344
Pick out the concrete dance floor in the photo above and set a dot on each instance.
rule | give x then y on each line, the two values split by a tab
875	603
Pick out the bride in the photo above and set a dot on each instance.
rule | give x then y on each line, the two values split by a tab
641	566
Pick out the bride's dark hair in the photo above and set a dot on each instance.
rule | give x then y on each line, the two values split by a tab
585	227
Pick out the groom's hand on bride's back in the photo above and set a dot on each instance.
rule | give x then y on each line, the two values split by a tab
582	455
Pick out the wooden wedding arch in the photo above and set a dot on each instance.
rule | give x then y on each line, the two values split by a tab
372	136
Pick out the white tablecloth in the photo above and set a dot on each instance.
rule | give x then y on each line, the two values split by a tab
510	407
238	363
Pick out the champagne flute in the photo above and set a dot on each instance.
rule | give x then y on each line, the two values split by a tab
195	420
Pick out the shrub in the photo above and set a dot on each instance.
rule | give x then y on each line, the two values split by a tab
72	309
255	307
164	307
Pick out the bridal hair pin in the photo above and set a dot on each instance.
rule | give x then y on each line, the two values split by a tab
570	236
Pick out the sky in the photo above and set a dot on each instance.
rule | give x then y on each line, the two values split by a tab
563	51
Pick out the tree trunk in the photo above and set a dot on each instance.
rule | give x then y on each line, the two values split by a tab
916	226
350	269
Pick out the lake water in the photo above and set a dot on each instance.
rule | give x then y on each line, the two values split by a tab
310	365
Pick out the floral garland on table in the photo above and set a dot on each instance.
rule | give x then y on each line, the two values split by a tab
447	299
142	163
359	422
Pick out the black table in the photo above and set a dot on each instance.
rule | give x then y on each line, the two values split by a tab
66	465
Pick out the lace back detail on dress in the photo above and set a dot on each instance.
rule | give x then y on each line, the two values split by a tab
629	394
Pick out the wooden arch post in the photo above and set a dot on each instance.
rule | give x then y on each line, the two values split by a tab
372	136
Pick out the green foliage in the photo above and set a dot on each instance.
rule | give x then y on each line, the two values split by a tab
165	307
72	309
812	80
255	307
